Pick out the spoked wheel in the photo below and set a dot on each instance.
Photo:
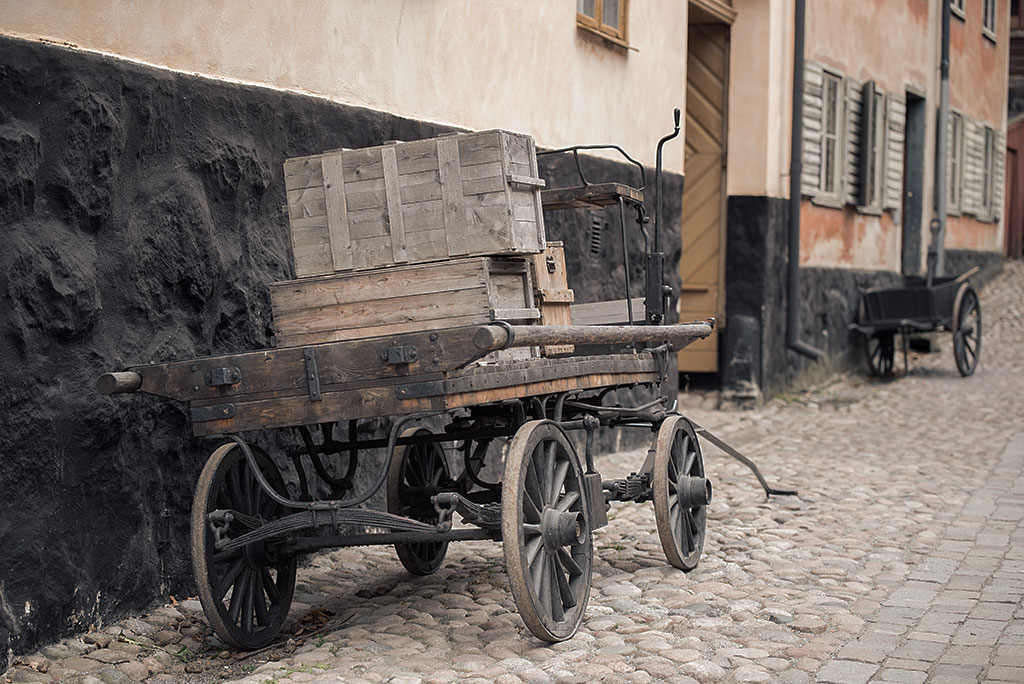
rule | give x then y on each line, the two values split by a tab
881	352
418	472
245	593
681	493
546	535
967	330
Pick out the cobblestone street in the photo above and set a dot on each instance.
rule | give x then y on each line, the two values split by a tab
901	560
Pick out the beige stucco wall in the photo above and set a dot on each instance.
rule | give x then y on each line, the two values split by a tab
760	81
517	65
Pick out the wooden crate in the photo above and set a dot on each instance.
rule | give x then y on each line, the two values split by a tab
403	299
552	292
472	194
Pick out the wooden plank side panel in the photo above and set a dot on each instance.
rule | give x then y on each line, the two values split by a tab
374	313
337	213
379	285
395	225
382	400
453	205
311	246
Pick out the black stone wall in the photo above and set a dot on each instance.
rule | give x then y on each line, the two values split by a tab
140	220
755	362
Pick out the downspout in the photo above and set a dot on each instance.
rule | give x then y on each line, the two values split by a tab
795	171
936	249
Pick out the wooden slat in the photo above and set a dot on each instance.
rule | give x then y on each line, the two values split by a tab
337	213
377	286
453	208
395	223
612	312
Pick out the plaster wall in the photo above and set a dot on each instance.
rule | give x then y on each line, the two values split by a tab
978	66
760	83
523	66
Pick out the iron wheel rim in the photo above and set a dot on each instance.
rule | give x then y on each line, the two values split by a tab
967	336
880	351
417	471
245	593
681	529
550	581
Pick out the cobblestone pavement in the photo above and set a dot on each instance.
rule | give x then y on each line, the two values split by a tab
901	561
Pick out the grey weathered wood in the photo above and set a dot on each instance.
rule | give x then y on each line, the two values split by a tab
813	106
588	196
395	222
337	213
895	136
453	206
498	337
401	299
609	312
123	382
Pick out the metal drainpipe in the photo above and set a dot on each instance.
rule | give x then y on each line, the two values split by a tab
795	170
936	248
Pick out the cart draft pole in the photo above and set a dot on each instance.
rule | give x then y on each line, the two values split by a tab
936	248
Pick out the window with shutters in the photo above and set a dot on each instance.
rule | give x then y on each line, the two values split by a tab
956	163
957	6
872	146
988	19
1016	17
988	173
606	18
831	137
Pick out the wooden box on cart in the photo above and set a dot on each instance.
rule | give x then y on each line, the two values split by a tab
471	194
551	290
391	301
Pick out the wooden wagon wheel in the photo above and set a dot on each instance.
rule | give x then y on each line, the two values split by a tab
966	330
881	353
681	493
245	593
418	472
546	534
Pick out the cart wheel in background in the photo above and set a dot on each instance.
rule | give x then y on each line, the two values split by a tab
880	352
418	472
967	330
681	493
245	593
546	535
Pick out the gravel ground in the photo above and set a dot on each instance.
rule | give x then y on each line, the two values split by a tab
900	560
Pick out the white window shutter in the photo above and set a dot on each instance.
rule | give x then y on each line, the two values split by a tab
814	78
892	182
998	175
974	162
852	160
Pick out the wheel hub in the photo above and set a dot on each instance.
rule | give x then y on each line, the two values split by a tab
561	529
693	491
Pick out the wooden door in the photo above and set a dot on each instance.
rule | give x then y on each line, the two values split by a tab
702	265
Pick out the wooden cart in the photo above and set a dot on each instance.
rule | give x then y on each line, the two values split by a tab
249	528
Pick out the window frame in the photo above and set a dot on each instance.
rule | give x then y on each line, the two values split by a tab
955	153
835	195
595	24
957	9
988	19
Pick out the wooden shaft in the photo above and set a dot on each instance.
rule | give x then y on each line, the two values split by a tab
493	337
119	383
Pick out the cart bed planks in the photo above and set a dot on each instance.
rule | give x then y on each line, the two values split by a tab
404	394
